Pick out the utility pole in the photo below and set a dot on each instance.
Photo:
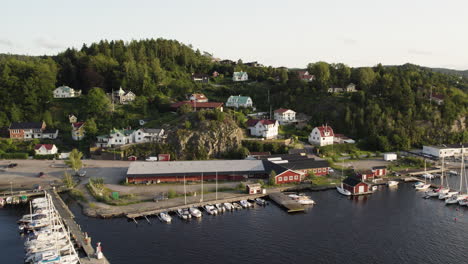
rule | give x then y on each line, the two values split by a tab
11	188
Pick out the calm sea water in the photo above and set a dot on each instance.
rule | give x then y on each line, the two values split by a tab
390	226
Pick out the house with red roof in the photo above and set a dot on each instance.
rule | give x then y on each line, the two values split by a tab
263	128
305	76
321	136
199	106
45	149
285	116
198	97
437	98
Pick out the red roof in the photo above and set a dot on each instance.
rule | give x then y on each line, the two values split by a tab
438	96
198	96
253	122
78	124
303	75
281	110
197	105
324	129
47	146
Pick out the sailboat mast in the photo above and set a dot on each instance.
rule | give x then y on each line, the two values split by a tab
185	191
202	186
216	185
461	170
442	175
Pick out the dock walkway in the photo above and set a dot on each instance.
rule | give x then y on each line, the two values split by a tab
286	202
75	230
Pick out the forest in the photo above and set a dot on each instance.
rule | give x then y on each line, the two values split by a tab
390	111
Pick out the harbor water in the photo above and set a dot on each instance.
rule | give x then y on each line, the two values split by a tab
393	225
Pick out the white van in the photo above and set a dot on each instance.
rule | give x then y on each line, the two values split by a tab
152	159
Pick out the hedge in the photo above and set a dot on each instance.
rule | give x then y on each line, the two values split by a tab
14	156
46	157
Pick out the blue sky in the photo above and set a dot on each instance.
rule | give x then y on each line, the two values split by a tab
280	33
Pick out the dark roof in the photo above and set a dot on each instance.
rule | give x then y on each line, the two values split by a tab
50	130
253	122
289	157
303	164
26	125
197	105
200	75
270	166
267	153
351	181
379	167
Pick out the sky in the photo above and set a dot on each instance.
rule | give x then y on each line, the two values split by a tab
289	33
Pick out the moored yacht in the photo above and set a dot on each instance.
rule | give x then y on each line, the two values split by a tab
165	217
228	206
392	183
195	212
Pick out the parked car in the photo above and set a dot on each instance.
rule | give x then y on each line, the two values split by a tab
12	165
152	159
41	174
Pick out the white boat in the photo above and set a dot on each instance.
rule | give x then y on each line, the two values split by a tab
433	192
423	187
210	209
454	199
245	204
220	208
9	200
374	188
51	256
2	202
342	190
228	206
260	201
452	172
392	183
181	214
428	176
305	200
293	196
463	202
447	195
48	246
69	259
236	206
165	217
418	184
195	212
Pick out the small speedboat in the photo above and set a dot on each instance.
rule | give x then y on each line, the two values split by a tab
228	206
422	187
181	214
186	212
343	191
195	212
210	209
260	201
392	183
454	199
305	200
245	204
418	184
165	217
463	202
51	256
374	188
2	202
433	192
452	172
236	206
428	176
220	208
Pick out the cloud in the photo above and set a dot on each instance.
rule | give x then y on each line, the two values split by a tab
419	52
48	44
6	42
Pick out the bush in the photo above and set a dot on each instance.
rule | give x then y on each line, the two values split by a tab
46	157
14	156
171	194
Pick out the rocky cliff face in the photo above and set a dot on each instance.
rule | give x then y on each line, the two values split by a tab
202	139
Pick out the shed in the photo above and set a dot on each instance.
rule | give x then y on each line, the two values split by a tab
254	188
355	186
390	156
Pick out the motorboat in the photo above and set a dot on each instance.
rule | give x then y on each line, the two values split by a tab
428	176
447	195
187	213
452	172
433	192
48	246
305	200
293	196
236	206
423	187
463	202
9	200
220	208
343	191
228	206
165	217
195	212
51	256
210	209
2	202
69	259
454	199
374	188
418	184
392	183
260	201
245	204
181	214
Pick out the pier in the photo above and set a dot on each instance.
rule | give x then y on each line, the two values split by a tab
199	204
285	201
75	231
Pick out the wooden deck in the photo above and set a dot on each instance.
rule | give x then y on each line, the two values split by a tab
286	202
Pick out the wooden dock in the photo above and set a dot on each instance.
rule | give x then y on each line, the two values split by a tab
199	204
75	230
286	202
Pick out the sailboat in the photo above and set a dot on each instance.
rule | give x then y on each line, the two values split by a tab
340	189
425	185
441	189
456	198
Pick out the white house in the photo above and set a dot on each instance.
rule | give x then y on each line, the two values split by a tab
240	76
239	101
321	136
285	116
350	88
143	135
448	150
45	149
263	128
115	138
66	92
198	97
123	97
78	131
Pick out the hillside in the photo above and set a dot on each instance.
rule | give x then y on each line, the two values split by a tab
390	111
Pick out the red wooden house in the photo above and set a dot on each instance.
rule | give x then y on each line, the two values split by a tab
379	171
365	175
355	186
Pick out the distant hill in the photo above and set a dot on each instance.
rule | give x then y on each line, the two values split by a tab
450	71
